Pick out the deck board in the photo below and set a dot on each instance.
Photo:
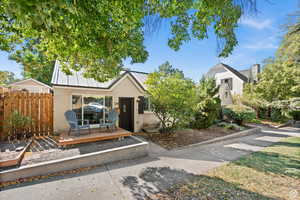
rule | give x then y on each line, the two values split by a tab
95	135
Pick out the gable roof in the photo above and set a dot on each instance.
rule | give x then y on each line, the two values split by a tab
30	79
221	67
59	78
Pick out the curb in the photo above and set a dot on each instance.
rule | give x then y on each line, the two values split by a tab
79	161
223	138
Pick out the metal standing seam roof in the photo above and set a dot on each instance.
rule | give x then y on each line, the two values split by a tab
78	80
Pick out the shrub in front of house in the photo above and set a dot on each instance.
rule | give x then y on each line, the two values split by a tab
207	106
238	113
207	112
171	96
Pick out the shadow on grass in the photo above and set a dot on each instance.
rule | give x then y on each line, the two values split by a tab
288	144
272	163
166	183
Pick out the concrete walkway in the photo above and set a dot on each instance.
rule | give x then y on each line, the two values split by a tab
121	180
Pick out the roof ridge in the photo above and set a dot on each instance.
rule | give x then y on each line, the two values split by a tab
236	72
128	70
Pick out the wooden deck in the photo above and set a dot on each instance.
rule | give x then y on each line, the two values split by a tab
95	135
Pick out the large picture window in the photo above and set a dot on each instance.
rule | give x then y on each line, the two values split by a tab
91	107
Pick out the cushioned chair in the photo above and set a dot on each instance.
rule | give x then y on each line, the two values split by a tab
73	122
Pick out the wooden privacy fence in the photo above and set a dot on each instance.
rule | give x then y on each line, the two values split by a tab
37	106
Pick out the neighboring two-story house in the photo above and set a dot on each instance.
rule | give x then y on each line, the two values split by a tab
231	81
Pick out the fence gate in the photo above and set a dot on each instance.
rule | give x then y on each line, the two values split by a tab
37	106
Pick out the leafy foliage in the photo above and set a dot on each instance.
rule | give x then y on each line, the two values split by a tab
15	123
35	64
171	99
7	77
280	78
167	68
288	108
207	106
238	113
231	126
96	36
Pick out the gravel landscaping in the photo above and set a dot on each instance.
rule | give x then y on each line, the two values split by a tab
43	150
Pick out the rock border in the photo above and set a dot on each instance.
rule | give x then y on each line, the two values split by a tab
79	161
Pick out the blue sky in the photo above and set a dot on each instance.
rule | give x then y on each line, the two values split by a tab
258	34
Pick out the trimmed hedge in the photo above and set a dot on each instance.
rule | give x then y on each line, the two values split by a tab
238	113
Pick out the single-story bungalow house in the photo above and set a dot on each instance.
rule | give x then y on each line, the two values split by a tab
31	85
91	100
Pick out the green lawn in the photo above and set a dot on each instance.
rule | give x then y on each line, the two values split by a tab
273	173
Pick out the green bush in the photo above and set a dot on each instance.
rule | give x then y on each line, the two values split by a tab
238	113
207	106
16	123
207	113
277	115
231	126
295	114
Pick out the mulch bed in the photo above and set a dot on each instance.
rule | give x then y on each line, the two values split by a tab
186	137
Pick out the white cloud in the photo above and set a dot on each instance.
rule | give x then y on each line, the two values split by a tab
254	23
266	43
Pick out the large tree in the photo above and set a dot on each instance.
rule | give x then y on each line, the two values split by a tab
35	64
167	68
280	78
96	36
7	77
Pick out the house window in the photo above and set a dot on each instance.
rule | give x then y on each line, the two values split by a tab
227	81
92	108
147	105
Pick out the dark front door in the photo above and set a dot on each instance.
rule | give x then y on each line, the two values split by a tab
126	120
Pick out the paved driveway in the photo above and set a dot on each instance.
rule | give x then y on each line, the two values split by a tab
134	179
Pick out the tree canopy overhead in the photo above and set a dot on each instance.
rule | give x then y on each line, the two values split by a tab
35	64
98	35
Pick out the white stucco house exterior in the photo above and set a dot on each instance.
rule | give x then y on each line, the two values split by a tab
231	80
92	100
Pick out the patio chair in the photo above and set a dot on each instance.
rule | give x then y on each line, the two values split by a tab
112	119
73	122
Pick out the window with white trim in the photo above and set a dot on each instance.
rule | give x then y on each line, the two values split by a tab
147	104
92	107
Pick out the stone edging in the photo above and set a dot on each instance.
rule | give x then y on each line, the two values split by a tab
218	139
79	161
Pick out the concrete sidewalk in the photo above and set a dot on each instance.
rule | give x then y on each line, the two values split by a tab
120	180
